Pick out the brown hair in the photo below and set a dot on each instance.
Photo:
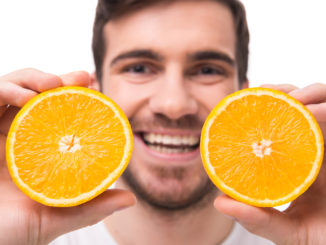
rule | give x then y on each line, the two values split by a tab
110	9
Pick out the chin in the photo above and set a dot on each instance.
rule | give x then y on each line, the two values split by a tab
170	187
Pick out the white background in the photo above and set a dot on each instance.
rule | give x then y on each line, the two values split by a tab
288	38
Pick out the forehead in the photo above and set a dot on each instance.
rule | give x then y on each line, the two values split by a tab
173	29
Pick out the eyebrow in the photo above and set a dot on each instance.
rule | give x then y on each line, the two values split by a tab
137	53
211	55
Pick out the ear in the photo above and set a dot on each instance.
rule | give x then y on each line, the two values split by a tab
245	85
94	83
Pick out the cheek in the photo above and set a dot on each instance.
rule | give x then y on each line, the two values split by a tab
129	96
208	96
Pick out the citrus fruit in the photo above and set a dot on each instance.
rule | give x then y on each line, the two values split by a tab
68	145
262	147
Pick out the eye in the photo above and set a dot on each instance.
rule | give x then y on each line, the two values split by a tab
207	73
137	69
208	70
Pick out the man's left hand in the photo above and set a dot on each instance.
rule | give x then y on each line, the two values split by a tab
304	222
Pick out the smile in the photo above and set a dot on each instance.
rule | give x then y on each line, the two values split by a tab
171	144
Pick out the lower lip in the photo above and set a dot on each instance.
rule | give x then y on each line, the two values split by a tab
179	157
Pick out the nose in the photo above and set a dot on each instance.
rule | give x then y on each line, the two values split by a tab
172	98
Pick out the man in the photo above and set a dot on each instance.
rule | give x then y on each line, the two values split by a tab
167	64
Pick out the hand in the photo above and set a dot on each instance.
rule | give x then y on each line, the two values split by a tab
304	222
24	221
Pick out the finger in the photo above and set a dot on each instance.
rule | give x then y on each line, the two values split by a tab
33	79
312	94
3	139
7	118
265	222
319	111
13	94
3	108
316	191
4	173
286	88
94	84
77	78
62	220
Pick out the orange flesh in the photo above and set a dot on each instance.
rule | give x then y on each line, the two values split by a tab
95	147
250	120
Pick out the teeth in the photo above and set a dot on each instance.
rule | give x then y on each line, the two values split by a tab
177	140
171	140
163	149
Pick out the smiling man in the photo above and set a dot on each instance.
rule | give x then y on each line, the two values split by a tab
167	71
167	63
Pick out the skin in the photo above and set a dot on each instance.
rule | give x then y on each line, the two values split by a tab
174	93
28	222
175	86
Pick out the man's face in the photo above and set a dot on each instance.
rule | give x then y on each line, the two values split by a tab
167	66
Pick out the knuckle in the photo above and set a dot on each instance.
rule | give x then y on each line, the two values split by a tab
39	86
316	85
4	86
28	70
290	86
319	84
253	228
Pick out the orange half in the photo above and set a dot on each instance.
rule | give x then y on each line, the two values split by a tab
262	147
68	145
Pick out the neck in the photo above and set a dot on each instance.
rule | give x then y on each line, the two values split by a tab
143	224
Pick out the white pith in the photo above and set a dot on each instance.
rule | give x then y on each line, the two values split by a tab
262	148
69	143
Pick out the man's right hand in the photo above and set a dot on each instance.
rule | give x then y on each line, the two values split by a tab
24	221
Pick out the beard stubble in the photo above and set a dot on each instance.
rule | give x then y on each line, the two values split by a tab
178	197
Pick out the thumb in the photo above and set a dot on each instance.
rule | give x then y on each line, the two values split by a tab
57	221
77	78
265	222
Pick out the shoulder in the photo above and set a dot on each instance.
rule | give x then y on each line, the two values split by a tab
96	235
239	235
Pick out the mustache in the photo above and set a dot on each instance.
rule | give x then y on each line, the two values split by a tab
187	122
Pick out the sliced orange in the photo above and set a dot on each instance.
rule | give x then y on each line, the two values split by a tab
262	147
68	145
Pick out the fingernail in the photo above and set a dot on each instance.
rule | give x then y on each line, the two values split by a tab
296	90
132	202
266	85
124	207
229	217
